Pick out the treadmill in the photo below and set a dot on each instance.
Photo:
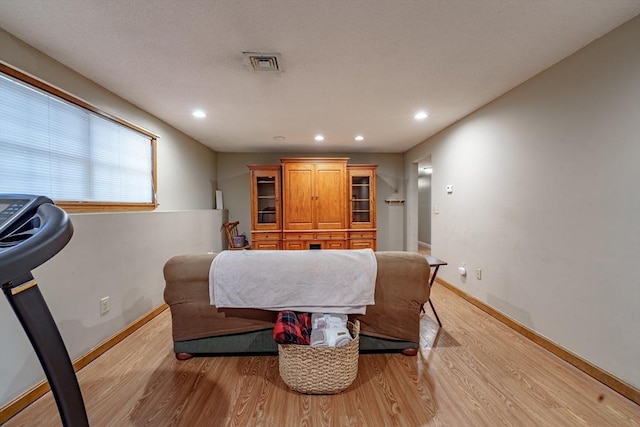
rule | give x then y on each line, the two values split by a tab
33	230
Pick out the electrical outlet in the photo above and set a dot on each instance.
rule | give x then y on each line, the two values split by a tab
104	305
479	273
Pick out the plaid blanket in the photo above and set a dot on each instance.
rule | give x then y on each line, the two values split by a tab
292	328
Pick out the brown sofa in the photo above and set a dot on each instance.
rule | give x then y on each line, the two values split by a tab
393	323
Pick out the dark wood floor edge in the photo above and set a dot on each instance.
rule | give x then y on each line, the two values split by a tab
31	395
611	381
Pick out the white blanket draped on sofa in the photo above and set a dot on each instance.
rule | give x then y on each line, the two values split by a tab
330	281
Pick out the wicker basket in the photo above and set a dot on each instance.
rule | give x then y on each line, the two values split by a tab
320	370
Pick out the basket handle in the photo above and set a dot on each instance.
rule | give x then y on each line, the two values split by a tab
356	328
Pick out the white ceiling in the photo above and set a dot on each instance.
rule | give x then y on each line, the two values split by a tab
350	67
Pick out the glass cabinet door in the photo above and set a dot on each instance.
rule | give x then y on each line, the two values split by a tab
266	195
360	199
362	196
265	198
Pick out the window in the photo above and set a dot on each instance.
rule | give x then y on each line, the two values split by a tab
56	145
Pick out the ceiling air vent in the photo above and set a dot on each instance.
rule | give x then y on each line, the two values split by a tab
269	62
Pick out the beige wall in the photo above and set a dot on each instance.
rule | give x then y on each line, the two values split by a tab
233	180
546	200
116	255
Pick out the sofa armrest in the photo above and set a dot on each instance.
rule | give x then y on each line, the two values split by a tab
402	287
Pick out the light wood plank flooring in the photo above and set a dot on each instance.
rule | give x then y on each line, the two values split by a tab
424	250
473	372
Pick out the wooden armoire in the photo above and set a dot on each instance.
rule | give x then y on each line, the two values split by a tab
313	203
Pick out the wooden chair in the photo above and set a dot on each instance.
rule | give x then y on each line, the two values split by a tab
231	231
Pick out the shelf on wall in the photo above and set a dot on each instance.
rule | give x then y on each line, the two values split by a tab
394	202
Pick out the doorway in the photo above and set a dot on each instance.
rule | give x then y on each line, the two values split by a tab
424	205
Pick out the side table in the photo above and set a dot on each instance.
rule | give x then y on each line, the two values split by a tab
434	263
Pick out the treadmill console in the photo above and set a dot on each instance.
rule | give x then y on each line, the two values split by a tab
16	210
32	230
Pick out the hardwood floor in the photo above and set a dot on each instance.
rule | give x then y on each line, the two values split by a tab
473	372
424	249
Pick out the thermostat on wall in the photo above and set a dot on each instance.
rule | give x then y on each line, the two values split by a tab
449	189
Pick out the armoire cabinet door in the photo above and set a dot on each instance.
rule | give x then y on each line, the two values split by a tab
298	196
331	196
315	194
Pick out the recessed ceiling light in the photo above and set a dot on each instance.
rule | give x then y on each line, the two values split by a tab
421	115
359	138
319	138
199	114
279	138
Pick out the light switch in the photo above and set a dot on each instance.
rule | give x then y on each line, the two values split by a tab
436	209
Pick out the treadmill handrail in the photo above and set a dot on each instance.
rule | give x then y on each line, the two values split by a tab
54	233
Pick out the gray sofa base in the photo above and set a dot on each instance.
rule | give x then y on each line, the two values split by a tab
262	342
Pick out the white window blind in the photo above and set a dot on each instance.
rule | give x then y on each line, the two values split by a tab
51	147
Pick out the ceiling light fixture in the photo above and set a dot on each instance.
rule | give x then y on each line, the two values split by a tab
279	138
319	138
199	114
421	115
359	138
